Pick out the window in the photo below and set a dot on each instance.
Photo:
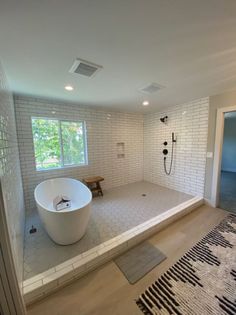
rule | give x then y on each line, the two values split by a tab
58	143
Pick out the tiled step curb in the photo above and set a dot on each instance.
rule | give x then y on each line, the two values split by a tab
51	280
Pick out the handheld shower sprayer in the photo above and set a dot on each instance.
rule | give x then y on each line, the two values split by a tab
172	155
173	137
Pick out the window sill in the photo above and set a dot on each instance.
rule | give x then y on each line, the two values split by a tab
61	168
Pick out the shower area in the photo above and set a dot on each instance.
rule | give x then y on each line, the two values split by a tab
145	187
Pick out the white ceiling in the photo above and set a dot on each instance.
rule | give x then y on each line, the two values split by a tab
188	46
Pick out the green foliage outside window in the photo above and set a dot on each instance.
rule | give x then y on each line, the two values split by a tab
73	143
58	143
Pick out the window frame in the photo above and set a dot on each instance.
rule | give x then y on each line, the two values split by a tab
83	122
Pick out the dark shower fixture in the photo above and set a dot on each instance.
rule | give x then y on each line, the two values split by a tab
164	119
33	230
173	137
172	155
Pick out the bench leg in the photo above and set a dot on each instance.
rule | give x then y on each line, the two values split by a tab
99	189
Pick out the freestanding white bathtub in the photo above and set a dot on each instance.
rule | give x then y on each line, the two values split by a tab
69	225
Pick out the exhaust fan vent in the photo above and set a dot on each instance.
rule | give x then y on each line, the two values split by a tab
151	88
85	68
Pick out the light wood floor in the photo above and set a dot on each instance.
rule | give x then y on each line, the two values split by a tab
106	291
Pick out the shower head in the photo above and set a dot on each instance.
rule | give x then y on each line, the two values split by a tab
164	119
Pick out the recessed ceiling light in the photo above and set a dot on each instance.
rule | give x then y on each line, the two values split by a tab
145	103
69	88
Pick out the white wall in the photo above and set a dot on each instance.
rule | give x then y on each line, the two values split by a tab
10	175
190	124
104	130
229	146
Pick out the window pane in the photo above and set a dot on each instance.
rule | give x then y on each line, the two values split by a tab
46	143
73	142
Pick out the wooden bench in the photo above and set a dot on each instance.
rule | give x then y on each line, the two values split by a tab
93	184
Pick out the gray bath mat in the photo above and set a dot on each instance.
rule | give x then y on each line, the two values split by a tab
138	261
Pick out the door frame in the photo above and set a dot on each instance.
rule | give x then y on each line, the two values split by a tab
219	135
11	299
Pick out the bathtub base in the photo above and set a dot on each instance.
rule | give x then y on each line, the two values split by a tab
69	228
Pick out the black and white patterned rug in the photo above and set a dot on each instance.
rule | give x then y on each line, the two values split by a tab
202	281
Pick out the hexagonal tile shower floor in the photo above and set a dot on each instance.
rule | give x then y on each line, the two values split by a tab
121	209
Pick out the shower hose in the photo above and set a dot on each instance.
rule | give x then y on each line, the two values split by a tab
171	161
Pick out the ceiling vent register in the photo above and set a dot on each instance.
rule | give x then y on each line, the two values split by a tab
85	68
151	88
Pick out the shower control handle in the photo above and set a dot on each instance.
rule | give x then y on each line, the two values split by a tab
165	151
165	143
173	137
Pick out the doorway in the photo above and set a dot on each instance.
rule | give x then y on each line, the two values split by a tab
227	194
224	165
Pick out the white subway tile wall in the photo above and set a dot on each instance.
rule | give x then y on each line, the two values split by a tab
189	122
11	175
104	131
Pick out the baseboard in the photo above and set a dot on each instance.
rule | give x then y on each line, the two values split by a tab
208	202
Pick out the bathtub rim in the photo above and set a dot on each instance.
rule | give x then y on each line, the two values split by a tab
65	211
